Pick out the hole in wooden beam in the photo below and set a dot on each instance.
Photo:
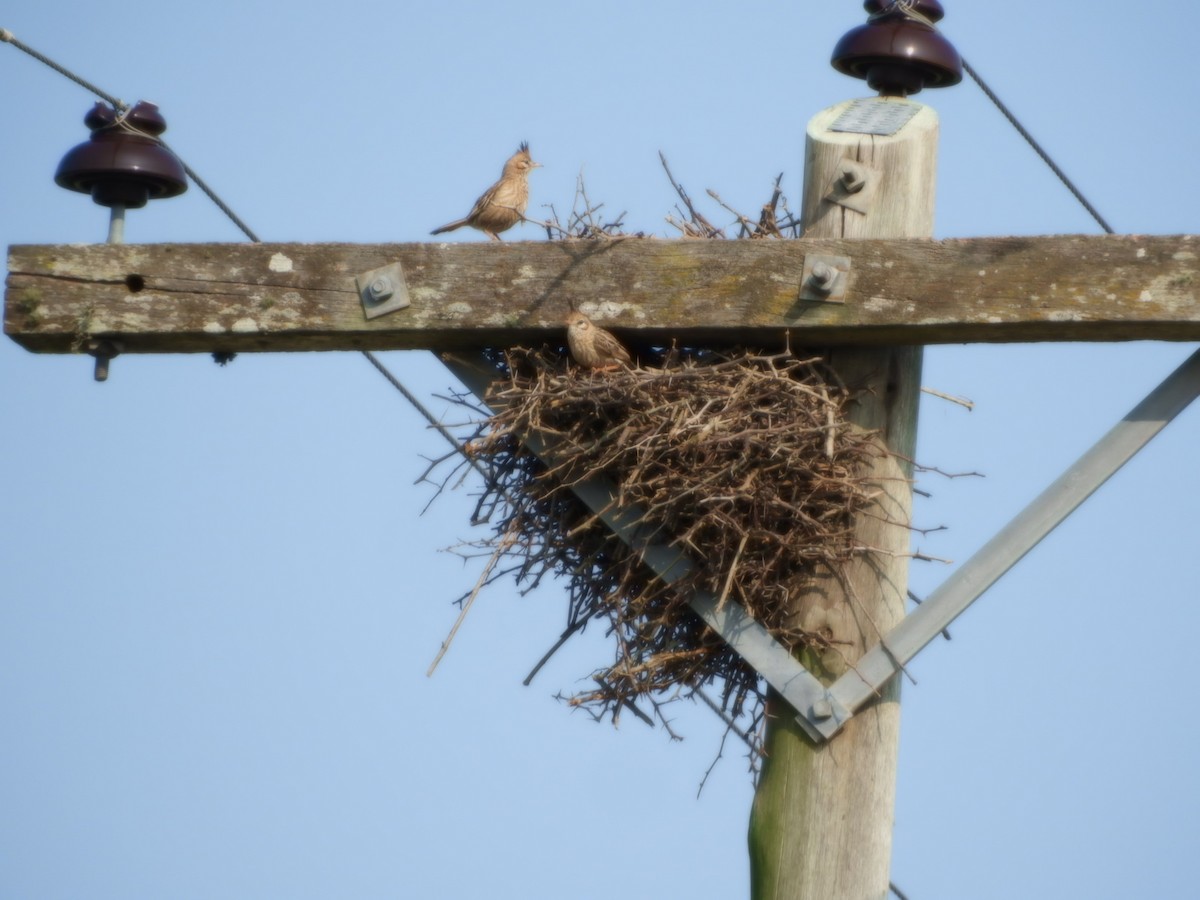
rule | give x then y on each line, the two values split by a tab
135	283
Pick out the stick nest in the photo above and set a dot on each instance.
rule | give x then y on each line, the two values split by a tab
744	461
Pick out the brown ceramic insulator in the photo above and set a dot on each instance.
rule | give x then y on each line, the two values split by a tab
897	54
123	166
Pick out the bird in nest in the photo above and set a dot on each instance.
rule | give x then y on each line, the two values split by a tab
592	346
502	205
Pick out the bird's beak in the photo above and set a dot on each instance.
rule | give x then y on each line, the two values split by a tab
534	165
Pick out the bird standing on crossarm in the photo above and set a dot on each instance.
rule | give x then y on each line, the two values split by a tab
592	346
503	204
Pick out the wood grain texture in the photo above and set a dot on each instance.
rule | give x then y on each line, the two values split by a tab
821	824
179	298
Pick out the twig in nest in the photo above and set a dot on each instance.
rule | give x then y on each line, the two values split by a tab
584	222
961	401
713	764
749	229
502	547
732	571
562	639
768	219
744	456
698	226
748	739
924	557
943	473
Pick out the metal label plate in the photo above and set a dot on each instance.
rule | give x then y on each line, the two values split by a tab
875	115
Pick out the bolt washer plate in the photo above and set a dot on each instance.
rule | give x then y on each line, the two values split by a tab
399	299
837	294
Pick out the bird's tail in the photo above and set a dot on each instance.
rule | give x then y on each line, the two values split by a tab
459	224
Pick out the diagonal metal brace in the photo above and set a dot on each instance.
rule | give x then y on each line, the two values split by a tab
820	714
862	682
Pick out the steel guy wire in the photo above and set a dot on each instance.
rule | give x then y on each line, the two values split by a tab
9	38
905	6
1037	148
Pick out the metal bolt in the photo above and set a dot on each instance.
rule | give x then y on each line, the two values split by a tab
852	180
103	351
821	710
116	227
823	277
381	289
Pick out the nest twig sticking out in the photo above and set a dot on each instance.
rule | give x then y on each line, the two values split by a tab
586	220
745	461
692	223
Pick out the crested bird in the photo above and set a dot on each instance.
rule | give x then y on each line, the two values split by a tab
592	346
502	205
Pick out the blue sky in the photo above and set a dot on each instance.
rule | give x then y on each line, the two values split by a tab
218	598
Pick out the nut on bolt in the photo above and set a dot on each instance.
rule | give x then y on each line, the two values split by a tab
103	350
821	709
381	289
823	277
852	180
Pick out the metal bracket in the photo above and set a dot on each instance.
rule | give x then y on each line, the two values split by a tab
825	278
855	186
382	290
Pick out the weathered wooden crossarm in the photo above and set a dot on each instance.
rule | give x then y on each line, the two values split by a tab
180	298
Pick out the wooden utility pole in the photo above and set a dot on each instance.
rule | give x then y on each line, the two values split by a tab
865	281
821	825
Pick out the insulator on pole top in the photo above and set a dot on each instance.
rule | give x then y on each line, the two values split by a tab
898	51
123	164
